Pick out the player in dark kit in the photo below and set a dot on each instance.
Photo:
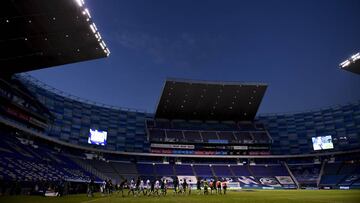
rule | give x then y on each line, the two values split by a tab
90	188
198	186
185	185
176	185
137	186
152	187
162	187
122	187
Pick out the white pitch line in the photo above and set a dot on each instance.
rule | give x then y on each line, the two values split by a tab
94	200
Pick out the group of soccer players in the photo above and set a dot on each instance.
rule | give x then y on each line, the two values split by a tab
139	187
215	186
159	187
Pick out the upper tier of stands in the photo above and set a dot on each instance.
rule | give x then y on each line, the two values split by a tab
209	132
205	126
74	117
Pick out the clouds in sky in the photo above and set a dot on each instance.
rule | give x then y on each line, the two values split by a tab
183	49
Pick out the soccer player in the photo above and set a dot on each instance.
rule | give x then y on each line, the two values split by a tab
224	185
162	187
198	185
148	187
211	185
122	186
165	186
185	186
176	184
111	186
132	187
218	185
180	190
206	191
137	186
152	188
142	187
157	187
90	189
102	187
189	187
107	187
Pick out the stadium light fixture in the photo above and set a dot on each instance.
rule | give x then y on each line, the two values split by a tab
344	64
102	46
80	3
87	12
350	60
99	35
355	57
93	29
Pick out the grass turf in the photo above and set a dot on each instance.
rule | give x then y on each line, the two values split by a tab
256	196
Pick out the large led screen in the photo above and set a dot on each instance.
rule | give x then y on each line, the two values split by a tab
322	142
97	137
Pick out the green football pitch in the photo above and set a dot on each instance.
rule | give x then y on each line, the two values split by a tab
245	196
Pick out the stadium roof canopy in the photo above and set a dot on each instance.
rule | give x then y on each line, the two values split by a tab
352	64
43	33
204	100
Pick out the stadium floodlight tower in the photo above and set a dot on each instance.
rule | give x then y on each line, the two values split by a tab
352	64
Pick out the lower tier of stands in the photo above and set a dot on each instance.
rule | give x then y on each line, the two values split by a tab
22	160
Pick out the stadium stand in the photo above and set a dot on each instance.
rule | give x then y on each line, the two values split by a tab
125	169
241	171
268	170
339	174
145	169
164	170
68	131
136	124
306	174
184	170
25	161
222	171
203	171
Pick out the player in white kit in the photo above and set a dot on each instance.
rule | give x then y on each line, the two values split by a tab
157	187
142	187
132	187
147	187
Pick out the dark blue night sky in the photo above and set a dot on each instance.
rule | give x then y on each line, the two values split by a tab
294	46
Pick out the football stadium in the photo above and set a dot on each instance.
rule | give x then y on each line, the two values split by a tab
204	142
